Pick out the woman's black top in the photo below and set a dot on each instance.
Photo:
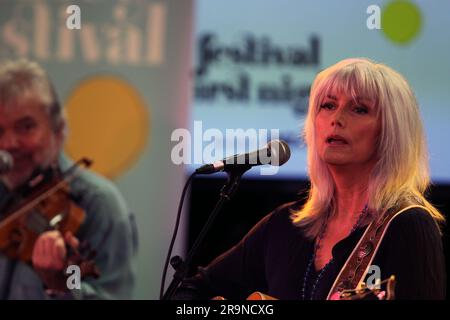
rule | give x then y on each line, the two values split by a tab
273	257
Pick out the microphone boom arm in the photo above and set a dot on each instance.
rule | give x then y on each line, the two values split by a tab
182	267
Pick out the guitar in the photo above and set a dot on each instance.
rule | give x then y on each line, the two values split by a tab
362	293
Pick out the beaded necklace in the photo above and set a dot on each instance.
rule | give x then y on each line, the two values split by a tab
313	256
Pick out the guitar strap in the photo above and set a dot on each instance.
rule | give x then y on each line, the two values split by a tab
353	272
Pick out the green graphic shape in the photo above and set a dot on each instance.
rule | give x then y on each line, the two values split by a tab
401	21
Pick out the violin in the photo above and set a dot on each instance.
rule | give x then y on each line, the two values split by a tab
45	203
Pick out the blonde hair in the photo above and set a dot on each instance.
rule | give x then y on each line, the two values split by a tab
401	174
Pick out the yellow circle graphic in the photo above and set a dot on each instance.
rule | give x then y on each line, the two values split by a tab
108	122
401	21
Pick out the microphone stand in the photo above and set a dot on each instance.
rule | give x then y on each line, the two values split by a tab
182	267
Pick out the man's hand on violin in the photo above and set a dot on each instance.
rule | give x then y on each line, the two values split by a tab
50	258
50	250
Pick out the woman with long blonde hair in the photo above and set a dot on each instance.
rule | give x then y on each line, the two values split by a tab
367	157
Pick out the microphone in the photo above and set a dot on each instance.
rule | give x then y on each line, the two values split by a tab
6	162
275	153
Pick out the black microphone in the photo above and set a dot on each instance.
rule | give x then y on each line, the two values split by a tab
6	162
275	153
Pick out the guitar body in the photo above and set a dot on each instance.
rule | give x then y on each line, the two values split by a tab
260	296
254	296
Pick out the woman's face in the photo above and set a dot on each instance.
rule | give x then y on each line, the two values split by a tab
347	130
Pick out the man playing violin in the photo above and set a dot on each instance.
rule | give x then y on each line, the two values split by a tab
32	131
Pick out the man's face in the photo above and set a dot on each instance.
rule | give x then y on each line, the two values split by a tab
26	133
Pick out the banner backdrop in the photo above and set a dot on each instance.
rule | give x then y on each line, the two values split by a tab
255	62
124	78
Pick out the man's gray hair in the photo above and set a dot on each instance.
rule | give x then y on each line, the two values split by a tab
22	79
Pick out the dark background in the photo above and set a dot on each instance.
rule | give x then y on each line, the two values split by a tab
254	199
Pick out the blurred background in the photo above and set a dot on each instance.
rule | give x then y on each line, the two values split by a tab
151	88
